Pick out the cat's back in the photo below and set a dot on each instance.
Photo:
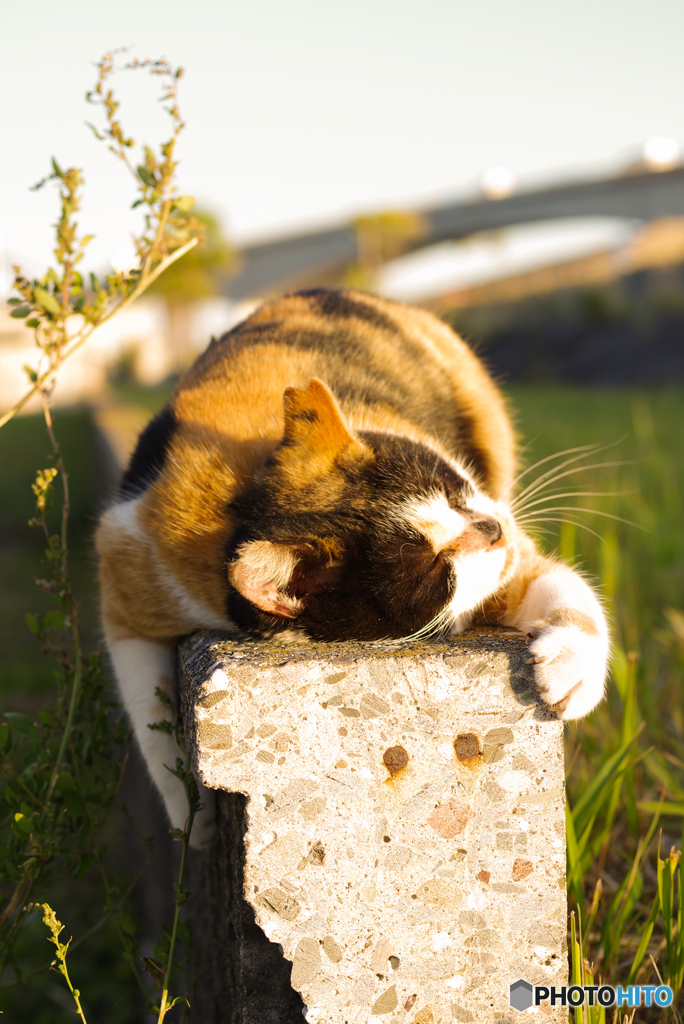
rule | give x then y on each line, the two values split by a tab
390	366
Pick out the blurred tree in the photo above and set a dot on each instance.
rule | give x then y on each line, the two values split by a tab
381	237
200	274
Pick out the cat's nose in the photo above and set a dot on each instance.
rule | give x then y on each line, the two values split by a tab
482	533
488	526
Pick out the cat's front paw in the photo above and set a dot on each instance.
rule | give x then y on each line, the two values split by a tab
569	666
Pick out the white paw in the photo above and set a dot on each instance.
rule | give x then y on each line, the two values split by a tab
569	667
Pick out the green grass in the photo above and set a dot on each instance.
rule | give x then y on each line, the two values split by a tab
24	448
625	763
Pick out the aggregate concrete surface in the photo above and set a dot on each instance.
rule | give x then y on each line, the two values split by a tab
406	830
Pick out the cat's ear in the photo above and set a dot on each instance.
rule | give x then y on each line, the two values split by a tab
278	578
316	435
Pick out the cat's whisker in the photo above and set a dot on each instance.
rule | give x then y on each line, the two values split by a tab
534	531
591	511
586	452
541	483
431	629
531	526
549	478
516	509
440	622
525	447
587	449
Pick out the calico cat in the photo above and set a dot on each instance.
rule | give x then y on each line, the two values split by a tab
337	466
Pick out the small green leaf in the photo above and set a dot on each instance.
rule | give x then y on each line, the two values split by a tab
19	314
83	866
665	808
161	727
127	923
47	301
33	323
75	805
180	895
33	623
178	999
92	127
65	783
14	301
161	950
21	722
23	823
55	620
163	696
184	203
39	184
155	969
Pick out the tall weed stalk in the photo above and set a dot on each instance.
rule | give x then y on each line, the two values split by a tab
61	770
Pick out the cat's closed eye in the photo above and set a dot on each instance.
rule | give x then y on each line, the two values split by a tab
419	558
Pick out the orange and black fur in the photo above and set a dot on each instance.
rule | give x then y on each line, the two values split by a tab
337	466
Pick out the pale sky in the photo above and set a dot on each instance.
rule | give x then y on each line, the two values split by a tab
304	112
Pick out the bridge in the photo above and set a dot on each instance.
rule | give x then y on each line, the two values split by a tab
642	195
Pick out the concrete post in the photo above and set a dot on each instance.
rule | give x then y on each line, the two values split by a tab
405	834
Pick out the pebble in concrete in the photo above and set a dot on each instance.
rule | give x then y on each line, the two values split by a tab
406	842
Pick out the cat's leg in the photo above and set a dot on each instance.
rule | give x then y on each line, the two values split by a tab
568	637
141	666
